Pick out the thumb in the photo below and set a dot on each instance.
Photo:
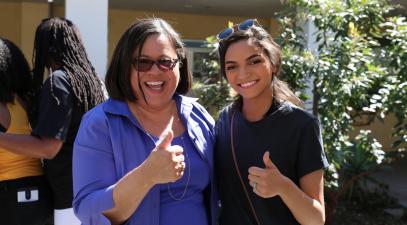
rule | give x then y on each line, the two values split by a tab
267	162
167	136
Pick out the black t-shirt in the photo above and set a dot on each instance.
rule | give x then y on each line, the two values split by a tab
59	117
291	135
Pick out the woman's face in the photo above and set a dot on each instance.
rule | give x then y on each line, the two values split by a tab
157	84
248	69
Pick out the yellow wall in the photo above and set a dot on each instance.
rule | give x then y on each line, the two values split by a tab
18	22
190	26
26	16
10	21
380	130
58	11
31	16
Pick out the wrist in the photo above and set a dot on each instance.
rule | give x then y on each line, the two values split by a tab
146	172
287	187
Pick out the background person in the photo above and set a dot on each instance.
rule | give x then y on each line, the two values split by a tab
70	90
24	192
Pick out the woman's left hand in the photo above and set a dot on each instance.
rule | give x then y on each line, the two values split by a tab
267	182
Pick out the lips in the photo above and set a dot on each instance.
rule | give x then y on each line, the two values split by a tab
248	84
155	85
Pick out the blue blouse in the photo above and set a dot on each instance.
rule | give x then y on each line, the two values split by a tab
110	143
182	202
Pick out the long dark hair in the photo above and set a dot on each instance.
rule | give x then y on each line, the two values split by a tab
15	75
57	41
118	74
263	39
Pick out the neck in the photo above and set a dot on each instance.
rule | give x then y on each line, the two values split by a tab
157	110
154	120
254	109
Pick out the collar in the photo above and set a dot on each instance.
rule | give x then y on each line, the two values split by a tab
120	108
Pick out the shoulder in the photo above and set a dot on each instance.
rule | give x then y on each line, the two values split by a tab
58	80
94	119
226	112
95	115
296	114
94	123
94	129
197	109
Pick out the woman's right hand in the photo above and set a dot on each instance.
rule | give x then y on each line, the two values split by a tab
166	162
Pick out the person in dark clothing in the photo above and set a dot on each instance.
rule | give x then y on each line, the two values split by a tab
269	155
24	191
71	89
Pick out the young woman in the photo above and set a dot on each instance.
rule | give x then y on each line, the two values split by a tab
123	171
70	90
269	152
24	192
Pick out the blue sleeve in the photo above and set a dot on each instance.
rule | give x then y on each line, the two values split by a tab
94	174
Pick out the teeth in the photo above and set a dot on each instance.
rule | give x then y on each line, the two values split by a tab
155	83
248	84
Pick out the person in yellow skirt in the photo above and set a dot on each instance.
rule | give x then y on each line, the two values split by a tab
24	192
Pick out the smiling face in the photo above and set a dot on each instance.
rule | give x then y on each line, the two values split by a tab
158	86
249	70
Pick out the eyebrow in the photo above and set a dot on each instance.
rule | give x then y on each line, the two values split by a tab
248	58
159	57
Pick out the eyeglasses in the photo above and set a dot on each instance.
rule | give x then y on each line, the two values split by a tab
242	26
144	65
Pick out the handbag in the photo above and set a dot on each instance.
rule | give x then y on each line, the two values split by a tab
238	171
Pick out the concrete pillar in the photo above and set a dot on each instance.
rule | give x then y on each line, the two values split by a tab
91	17
310	37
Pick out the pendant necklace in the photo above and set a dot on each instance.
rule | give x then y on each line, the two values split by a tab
189	175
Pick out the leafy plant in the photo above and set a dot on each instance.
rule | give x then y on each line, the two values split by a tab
359	76
212	89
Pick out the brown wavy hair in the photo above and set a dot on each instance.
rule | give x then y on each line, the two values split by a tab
263	39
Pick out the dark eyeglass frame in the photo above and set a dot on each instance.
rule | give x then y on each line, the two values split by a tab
148	64
240	26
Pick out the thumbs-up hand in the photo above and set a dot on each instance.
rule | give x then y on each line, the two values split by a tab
166	160
267	182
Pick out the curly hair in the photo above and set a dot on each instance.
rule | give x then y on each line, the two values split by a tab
15	76
57	40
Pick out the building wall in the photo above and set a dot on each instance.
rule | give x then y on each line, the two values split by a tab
381	130
31	16
10	21
188	25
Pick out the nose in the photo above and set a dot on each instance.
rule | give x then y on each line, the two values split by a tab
242	72
154	69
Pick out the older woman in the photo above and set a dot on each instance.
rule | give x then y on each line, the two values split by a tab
146	155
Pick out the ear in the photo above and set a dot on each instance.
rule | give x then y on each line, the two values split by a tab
273	69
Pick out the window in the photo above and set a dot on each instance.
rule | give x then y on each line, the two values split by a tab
197	52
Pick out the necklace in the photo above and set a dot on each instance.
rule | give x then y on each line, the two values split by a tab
188	179
188	164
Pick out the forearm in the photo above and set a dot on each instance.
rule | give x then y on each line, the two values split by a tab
306	210
128	194
31	146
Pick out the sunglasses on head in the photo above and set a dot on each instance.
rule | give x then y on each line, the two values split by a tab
242	26
144	65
